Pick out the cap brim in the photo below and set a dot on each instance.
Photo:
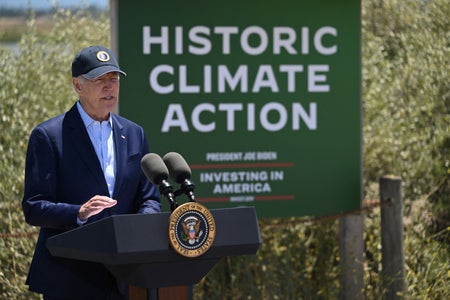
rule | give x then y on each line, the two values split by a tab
102	70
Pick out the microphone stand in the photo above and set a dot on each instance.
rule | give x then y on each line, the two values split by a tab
167	190
187	187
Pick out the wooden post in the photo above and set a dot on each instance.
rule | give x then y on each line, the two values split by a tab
351	248
393	259
175	292
137	293
166	293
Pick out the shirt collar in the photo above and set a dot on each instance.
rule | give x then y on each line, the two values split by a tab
87	120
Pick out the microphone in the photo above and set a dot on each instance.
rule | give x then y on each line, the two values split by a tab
180	172
156	172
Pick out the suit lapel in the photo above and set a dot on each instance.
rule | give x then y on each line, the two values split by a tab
83	145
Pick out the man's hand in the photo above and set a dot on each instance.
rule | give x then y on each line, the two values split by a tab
94	206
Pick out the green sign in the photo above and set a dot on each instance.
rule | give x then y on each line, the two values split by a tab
262	98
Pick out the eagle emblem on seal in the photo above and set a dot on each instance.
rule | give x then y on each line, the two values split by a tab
191	229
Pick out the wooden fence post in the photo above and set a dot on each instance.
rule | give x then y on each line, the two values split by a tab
393	258
351	249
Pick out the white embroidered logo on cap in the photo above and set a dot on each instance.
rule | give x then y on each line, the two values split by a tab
102	56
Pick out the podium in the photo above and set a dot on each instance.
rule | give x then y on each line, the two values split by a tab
135	248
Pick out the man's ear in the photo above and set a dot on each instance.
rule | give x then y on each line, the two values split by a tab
76	84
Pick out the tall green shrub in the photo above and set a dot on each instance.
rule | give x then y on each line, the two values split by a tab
406	93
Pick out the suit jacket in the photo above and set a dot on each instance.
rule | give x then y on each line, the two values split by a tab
62	172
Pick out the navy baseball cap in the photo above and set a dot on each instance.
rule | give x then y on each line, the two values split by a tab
95	61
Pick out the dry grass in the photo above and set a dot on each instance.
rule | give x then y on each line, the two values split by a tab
11	28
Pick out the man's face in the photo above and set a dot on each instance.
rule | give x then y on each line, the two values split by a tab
98	96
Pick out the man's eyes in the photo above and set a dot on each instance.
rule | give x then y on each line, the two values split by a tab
105	80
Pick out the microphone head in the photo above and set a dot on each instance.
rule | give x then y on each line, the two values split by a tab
178	168
154	168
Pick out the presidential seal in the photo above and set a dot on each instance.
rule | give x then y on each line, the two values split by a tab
191	229
103	56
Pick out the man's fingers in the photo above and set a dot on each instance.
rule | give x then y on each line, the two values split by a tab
103	201
106	203
95	205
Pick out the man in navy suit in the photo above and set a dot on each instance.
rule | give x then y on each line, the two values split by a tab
82	166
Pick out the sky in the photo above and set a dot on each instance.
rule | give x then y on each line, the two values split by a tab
44	4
